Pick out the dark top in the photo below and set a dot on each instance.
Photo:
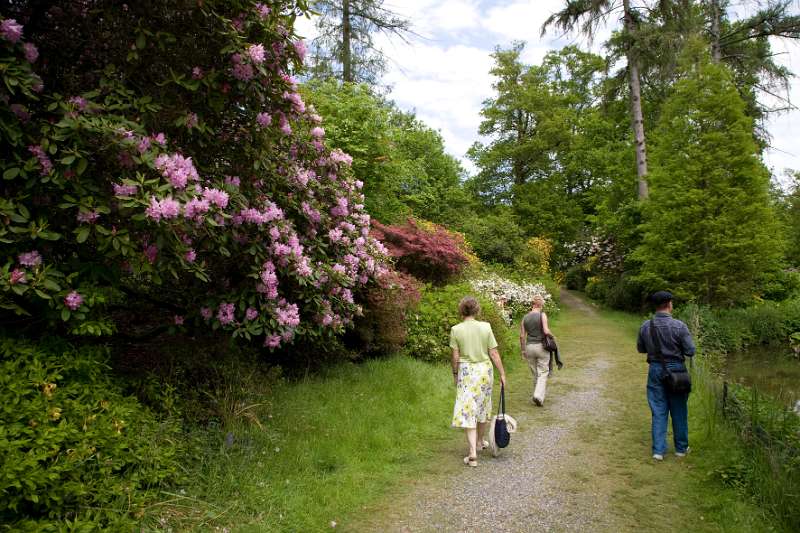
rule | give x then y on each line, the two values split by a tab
676	341
533	327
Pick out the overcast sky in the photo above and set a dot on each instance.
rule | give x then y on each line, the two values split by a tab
443	75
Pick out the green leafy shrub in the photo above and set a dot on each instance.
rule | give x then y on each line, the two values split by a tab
576	277
597	288
429	325
779	285
72	446
496	238
625	294
727	330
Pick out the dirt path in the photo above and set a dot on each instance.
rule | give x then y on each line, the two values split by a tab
580	463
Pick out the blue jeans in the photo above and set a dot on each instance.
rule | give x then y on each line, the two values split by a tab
664	404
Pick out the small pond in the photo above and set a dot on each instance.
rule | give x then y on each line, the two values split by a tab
769	369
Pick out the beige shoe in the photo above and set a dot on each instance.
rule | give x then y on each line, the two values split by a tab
471	461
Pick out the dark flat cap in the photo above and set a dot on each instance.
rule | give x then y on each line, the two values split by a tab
661	297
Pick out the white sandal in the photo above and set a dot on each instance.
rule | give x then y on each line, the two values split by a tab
471	461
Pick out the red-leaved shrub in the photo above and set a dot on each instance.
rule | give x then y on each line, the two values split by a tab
426	251
383	326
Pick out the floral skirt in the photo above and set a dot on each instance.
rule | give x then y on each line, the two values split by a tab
473	395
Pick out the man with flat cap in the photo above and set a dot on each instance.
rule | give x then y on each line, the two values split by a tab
667	347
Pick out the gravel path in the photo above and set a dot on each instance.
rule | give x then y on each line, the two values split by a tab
530	487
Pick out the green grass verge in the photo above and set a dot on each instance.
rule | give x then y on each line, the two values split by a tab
699	499
330	445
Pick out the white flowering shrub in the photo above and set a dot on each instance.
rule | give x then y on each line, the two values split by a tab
516	298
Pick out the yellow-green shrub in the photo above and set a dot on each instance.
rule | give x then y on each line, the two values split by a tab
73	447
429	325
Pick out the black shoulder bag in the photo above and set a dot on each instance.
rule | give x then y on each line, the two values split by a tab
675	381
501	435
549	345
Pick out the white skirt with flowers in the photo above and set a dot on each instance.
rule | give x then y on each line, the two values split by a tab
473	395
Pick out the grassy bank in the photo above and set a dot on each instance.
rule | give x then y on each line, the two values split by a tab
759	438
329	446
325	448
676	495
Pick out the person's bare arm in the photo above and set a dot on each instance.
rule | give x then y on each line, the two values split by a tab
523	336
455	358
494	355
545	325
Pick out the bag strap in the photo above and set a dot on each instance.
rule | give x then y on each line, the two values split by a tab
657	344
502	408
541	322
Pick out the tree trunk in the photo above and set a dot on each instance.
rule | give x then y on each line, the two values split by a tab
347	54
716	51
518	168
637	119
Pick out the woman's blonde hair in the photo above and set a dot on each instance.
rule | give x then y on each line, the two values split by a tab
538	300
469	306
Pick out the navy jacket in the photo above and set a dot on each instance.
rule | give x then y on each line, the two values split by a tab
676	341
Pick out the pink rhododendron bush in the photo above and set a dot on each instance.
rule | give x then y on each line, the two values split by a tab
158	151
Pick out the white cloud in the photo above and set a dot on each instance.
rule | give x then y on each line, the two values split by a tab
430	17
521	21
785	150
444	86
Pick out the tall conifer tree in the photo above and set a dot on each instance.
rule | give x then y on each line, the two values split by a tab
345	48
710	230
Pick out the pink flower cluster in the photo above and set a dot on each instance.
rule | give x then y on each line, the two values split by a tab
225	313
31	52
151	253
20	111
79	102
17	277
340	209
73	300
288	315
30	259
44	161
300	50
256	53
298	106
216	197
11	30
196	208
191	120
263	119
338	156
88	217
269	281
125	190
262	10
177	169
259	217
166	208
